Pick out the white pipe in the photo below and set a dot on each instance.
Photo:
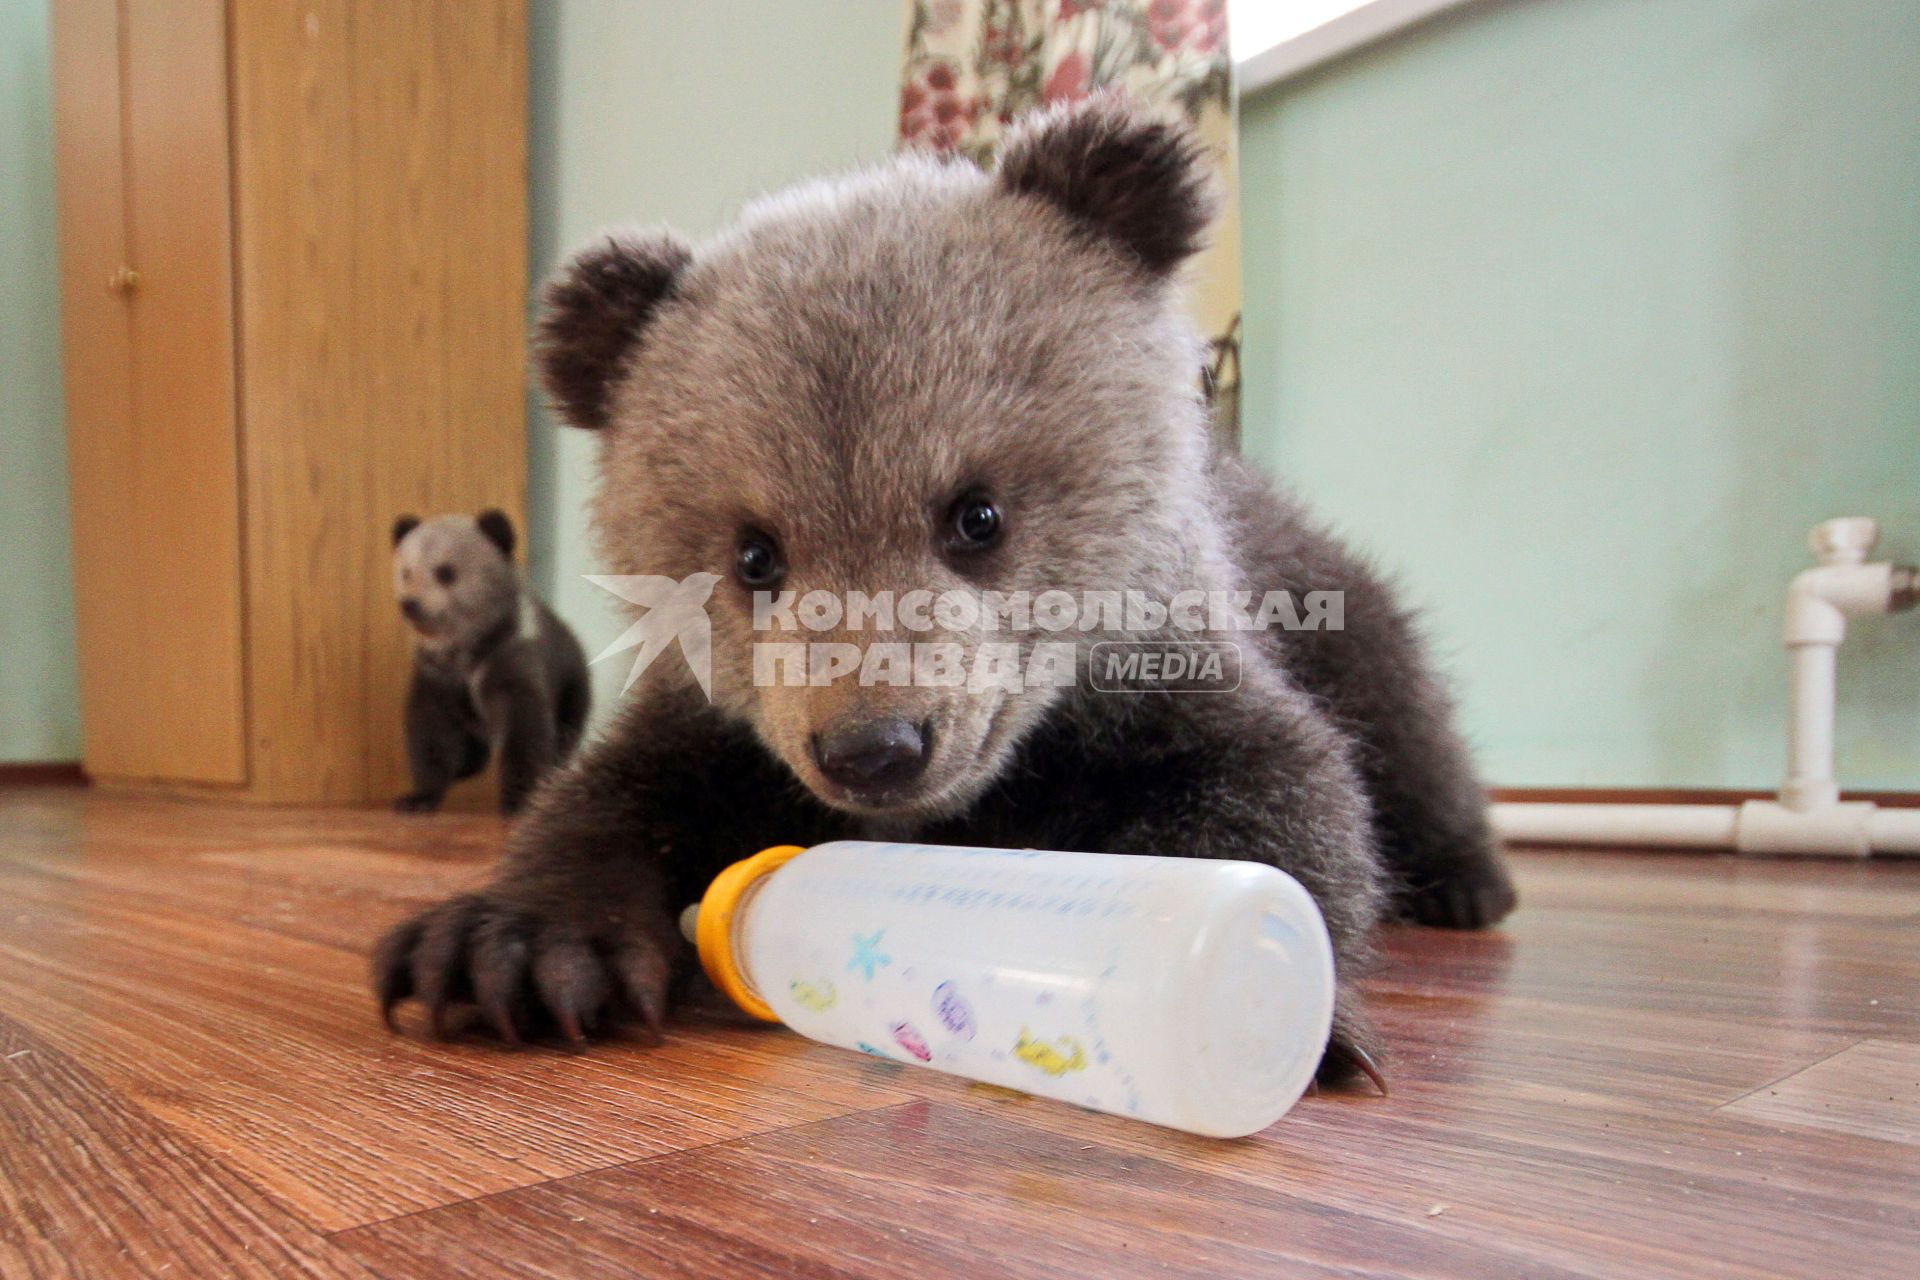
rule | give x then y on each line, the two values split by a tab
1894	831
1809	816
1681	826
1810	783
1819	602
1849	829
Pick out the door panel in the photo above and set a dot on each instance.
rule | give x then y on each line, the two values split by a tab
97	350
150	378
380	188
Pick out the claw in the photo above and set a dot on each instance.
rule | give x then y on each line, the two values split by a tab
1345	1059
653	1012
438	973
643	977
1364	1063
649	1006
503	1024
571	982
498	959
393	969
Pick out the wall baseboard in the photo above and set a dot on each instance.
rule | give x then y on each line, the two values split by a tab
1675	795
56	773
68	773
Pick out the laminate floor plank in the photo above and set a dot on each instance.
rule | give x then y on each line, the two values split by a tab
92	1186
922	1189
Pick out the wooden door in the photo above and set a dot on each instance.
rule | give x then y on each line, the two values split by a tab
147	325
380	188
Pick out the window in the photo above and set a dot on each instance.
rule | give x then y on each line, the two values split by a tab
1274	39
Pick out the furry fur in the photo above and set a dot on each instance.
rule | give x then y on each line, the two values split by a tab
1139	182
593	318
494	671
830	377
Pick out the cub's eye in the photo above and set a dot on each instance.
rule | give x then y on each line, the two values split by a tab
973	523
444	575
757	563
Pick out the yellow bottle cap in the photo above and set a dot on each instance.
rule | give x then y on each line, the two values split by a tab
713	927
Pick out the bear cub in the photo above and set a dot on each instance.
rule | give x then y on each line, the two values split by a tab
929	377
495	672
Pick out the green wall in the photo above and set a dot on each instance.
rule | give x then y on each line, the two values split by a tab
39	704
1574	312
664	112
1577	313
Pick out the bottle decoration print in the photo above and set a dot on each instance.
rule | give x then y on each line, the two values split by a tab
1055	1057
908	1037
953	1011
867	956
819	996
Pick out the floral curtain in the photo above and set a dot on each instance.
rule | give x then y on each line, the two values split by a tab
975	65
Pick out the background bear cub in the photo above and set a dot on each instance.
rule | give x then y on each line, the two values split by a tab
494	671
930	377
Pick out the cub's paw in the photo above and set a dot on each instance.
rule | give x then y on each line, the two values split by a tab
1477	894
416	802
526	971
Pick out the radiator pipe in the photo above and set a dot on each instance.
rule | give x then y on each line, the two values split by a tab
1808	817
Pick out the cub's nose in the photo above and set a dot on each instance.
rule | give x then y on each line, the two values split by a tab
872	755
411	608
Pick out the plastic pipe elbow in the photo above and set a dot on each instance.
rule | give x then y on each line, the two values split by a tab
1822	598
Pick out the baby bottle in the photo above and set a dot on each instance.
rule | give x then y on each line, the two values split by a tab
1190	993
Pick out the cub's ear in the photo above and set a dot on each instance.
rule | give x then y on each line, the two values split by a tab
1138	180
498	529
404	526
592	314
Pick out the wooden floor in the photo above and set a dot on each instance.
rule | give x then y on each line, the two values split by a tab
1663	1066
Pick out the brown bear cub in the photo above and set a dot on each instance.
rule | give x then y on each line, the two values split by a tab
927	377
495	672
